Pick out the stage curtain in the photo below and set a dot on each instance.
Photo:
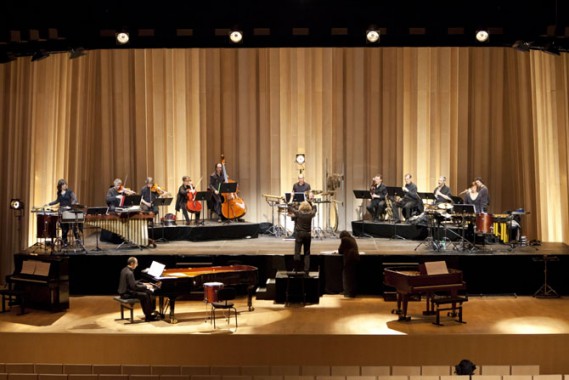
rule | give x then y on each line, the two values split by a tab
459	112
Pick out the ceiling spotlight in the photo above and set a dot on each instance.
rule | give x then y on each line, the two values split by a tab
16	204
39	55
300	159
76	52
482	35
520	45
372	36
236	36
122	38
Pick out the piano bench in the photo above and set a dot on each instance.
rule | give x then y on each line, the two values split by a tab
450	304
127	303
13	297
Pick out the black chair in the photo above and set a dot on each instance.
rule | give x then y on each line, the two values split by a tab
224	296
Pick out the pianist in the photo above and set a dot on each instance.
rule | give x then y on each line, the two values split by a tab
130	288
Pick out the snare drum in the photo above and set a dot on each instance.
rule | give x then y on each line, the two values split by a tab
210	291
46	225
484	223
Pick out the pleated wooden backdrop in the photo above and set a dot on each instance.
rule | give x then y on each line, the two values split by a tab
459	112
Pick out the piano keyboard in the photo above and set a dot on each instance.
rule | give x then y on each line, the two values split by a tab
132	228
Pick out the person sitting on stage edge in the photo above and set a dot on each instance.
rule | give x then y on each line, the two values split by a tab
349	249
215	181
130	288
378	193
66	198
410	201
182	199
303	232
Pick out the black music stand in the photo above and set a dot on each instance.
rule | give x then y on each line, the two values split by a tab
161	202
229	187
203	196
393	192
132	200
364	195
97	211
463	210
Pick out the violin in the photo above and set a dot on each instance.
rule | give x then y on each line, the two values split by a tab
232	207
125	190
192	205
161	192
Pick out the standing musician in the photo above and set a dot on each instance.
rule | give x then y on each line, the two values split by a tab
149	193
409	201
471	197
303	232
65	198
186	188
442	192
301	186
215	181
378	195
116	194
483	195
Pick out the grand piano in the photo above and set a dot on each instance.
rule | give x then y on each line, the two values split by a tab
44	279
178	282
409	281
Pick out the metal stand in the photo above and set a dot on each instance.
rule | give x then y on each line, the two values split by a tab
161	202
364	195
430	241
546	291
275	230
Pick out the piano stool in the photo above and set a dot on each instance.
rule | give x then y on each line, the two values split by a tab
12	296
454	305
127	303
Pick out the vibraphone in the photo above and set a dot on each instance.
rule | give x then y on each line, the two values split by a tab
501	227
131	227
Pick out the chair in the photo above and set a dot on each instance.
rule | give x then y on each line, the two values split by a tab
224	296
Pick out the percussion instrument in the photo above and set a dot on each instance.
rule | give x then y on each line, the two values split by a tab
484	223
169	219
131	228
210	288
444	206
46	225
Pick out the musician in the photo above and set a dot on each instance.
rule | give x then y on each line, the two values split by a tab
303	232
130	288
116	193
410	201
349	249
301	186
442	192
65	198
215	181
483	195
184	190
149	194
471	197
378	194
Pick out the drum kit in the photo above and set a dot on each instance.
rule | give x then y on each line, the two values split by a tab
49	220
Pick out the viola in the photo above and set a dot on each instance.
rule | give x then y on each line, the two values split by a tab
192	205
233	206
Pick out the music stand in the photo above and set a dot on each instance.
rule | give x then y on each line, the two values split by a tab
161	202
97	211
132	200
393	192
364	195
463	210
203	196
229	187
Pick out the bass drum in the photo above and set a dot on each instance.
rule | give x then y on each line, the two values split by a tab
47	225
484	223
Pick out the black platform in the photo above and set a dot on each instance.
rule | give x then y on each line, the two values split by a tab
219	231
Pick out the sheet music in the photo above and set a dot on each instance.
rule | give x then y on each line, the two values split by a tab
42	268
28	266
34	267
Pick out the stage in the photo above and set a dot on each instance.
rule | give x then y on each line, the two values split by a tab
490	269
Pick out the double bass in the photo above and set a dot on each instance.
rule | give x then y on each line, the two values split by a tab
233	206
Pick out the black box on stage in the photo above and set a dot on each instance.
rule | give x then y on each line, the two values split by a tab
294	283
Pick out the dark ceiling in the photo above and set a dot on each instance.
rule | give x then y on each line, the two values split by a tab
26	27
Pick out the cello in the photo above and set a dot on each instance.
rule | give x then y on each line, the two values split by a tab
192	205
232	207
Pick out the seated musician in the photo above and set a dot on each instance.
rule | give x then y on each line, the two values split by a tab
149	194
116	193
442	192
184	190
411	201
65	198
378	195
130	288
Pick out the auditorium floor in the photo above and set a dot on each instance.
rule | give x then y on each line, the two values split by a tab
333	315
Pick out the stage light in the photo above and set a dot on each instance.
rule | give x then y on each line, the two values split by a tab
482	35
16	204
372	36
520	45
300	159
39	55
76	52
122	38
236	36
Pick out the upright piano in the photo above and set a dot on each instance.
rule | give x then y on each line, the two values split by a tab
409	281
44	278
178	282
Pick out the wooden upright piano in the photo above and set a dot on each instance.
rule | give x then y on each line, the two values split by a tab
178	282
45	279
409	281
